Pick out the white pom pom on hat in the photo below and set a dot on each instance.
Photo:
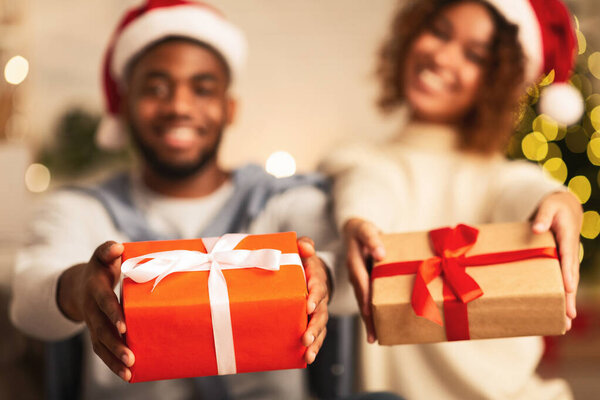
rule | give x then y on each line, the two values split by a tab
149	23
562	102
549	42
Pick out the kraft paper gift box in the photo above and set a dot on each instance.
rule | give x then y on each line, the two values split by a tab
493	281
252	320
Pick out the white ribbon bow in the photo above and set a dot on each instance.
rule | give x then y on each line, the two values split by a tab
220	255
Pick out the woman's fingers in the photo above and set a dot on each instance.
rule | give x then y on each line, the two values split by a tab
361	283
370	238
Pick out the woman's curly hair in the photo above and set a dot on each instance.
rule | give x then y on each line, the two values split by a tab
487	127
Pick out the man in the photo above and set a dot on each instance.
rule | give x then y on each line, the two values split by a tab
167	78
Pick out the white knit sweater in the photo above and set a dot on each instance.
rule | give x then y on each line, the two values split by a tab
420	181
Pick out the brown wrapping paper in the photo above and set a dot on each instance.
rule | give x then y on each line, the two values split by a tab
524	298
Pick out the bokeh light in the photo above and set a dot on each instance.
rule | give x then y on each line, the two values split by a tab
547	126
582	83
593	150
548	79
595	118
37	178
591	102
594	64
16	70
591	225
588	127
581	42
553	151
535	146
580	186
557	169
576	139
281	164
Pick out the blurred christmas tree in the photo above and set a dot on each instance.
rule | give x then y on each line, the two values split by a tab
73	152
570	155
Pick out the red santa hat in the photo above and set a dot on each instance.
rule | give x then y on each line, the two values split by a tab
149	23
549	42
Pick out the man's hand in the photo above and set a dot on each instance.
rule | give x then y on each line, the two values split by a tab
362	239
318	296
562	214
86	293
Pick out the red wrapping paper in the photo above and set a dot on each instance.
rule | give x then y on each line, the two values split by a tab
170	331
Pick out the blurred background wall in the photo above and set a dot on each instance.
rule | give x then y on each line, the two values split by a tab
309	85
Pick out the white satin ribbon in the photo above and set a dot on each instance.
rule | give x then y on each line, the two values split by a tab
220	255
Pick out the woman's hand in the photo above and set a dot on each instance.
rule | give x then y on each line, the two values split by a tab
362	240
562	214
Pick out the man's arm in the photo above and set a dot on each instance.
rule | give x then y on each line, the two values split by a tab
50	300
86	293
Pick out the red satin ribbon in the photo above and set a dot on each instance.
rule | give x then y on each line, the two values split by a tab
450	246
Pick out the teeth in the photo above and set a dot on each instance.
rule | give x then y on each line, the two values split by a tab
181	133
431	79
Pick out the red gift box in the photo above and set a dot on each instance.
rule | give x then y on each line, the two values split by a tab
170	319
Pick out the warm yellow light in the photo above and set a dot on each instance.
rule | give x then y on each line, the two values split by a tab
581	82
547	126
557	169
595	118
593	150
592	101
594	64
580	252
553	151
281	164
535	146
16	70
576	140
591	225
581	43
580	186
37	178
548	79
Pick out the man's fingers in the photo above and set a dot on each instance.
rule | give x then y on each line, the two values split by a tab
313	349
369	236
107	302
111	361
317	323
315	332
316	283
306	247
102	331
108	253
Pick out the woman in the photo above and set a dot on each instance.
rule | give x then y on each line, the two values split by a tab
460	67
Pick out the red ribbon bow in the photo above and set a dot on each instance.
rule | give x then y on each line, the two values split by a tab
450	246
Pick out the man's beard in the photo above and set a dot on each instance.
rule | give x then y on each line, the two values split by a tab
170	170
